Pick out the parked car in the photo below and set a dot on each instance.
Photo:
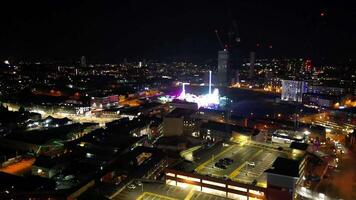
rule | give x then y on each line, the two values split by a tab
131	186
220	165
229	160
251	164
138	183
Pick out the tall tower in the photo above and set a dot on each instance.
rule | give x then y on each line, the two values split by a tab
252	64
223	61
83	62
209	82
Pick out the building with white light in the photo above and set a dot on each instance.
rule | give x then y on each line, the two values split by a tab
293	90
104	102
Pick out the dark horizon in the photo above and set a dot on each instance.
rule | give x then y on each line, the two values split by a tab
111	31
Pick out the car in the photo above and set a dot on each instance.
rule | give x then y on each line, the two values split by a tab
138	183
226	161
131	186
229	160
254	182
222	161
220	165
251	164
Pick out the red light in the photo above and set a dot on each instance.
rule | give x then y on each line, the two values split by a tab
258	45
270	46
322	14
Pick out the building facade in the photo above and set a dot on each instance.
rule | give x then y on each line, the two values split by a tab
223	62
293	90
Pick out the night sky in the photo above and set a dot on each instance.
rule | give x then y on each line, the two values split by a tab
113	30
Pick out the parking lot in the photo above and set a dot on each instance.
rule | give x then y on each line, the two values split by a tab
261	162
153	196
249	162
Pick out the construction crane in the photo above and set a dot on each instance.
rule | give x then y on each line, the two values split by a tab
233	35
219	39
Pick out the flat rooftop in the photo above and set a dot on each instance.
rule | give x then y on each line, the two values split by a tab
181	112
250	161
295	135
45	136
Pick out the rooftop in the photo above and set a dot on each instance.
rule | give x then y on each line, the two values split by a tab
250	161
225	127
284	166
45	136
181	112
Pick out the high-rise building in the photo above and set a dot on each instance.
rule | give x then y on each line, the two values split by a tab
252	64
293	90
237	76
83	62
223	62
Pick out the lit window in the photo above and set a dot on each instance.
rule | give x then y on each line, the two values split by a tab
171	182
256	192
188	178
237	188
214	183
170	174
214	192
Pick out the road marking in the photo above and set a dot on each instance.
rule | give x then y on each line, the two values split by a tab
189	195
190	150
200	167
237	170
155	195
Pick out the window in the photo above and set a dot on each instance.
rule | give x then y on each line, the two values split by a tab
237	188
214	192
214	183
256	192
170	174
188	178
171	182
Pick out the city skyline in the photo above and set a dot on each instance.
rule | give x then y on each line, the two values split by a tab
178	100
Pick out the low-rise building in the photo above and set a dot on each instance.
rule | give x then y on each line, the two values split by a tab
104	102
175	121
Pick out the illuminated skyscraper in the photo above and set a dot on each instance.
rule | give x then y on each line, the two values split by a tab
293	90
223	62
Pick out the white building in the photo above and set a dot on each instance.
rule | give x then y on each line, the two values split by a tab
293	90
